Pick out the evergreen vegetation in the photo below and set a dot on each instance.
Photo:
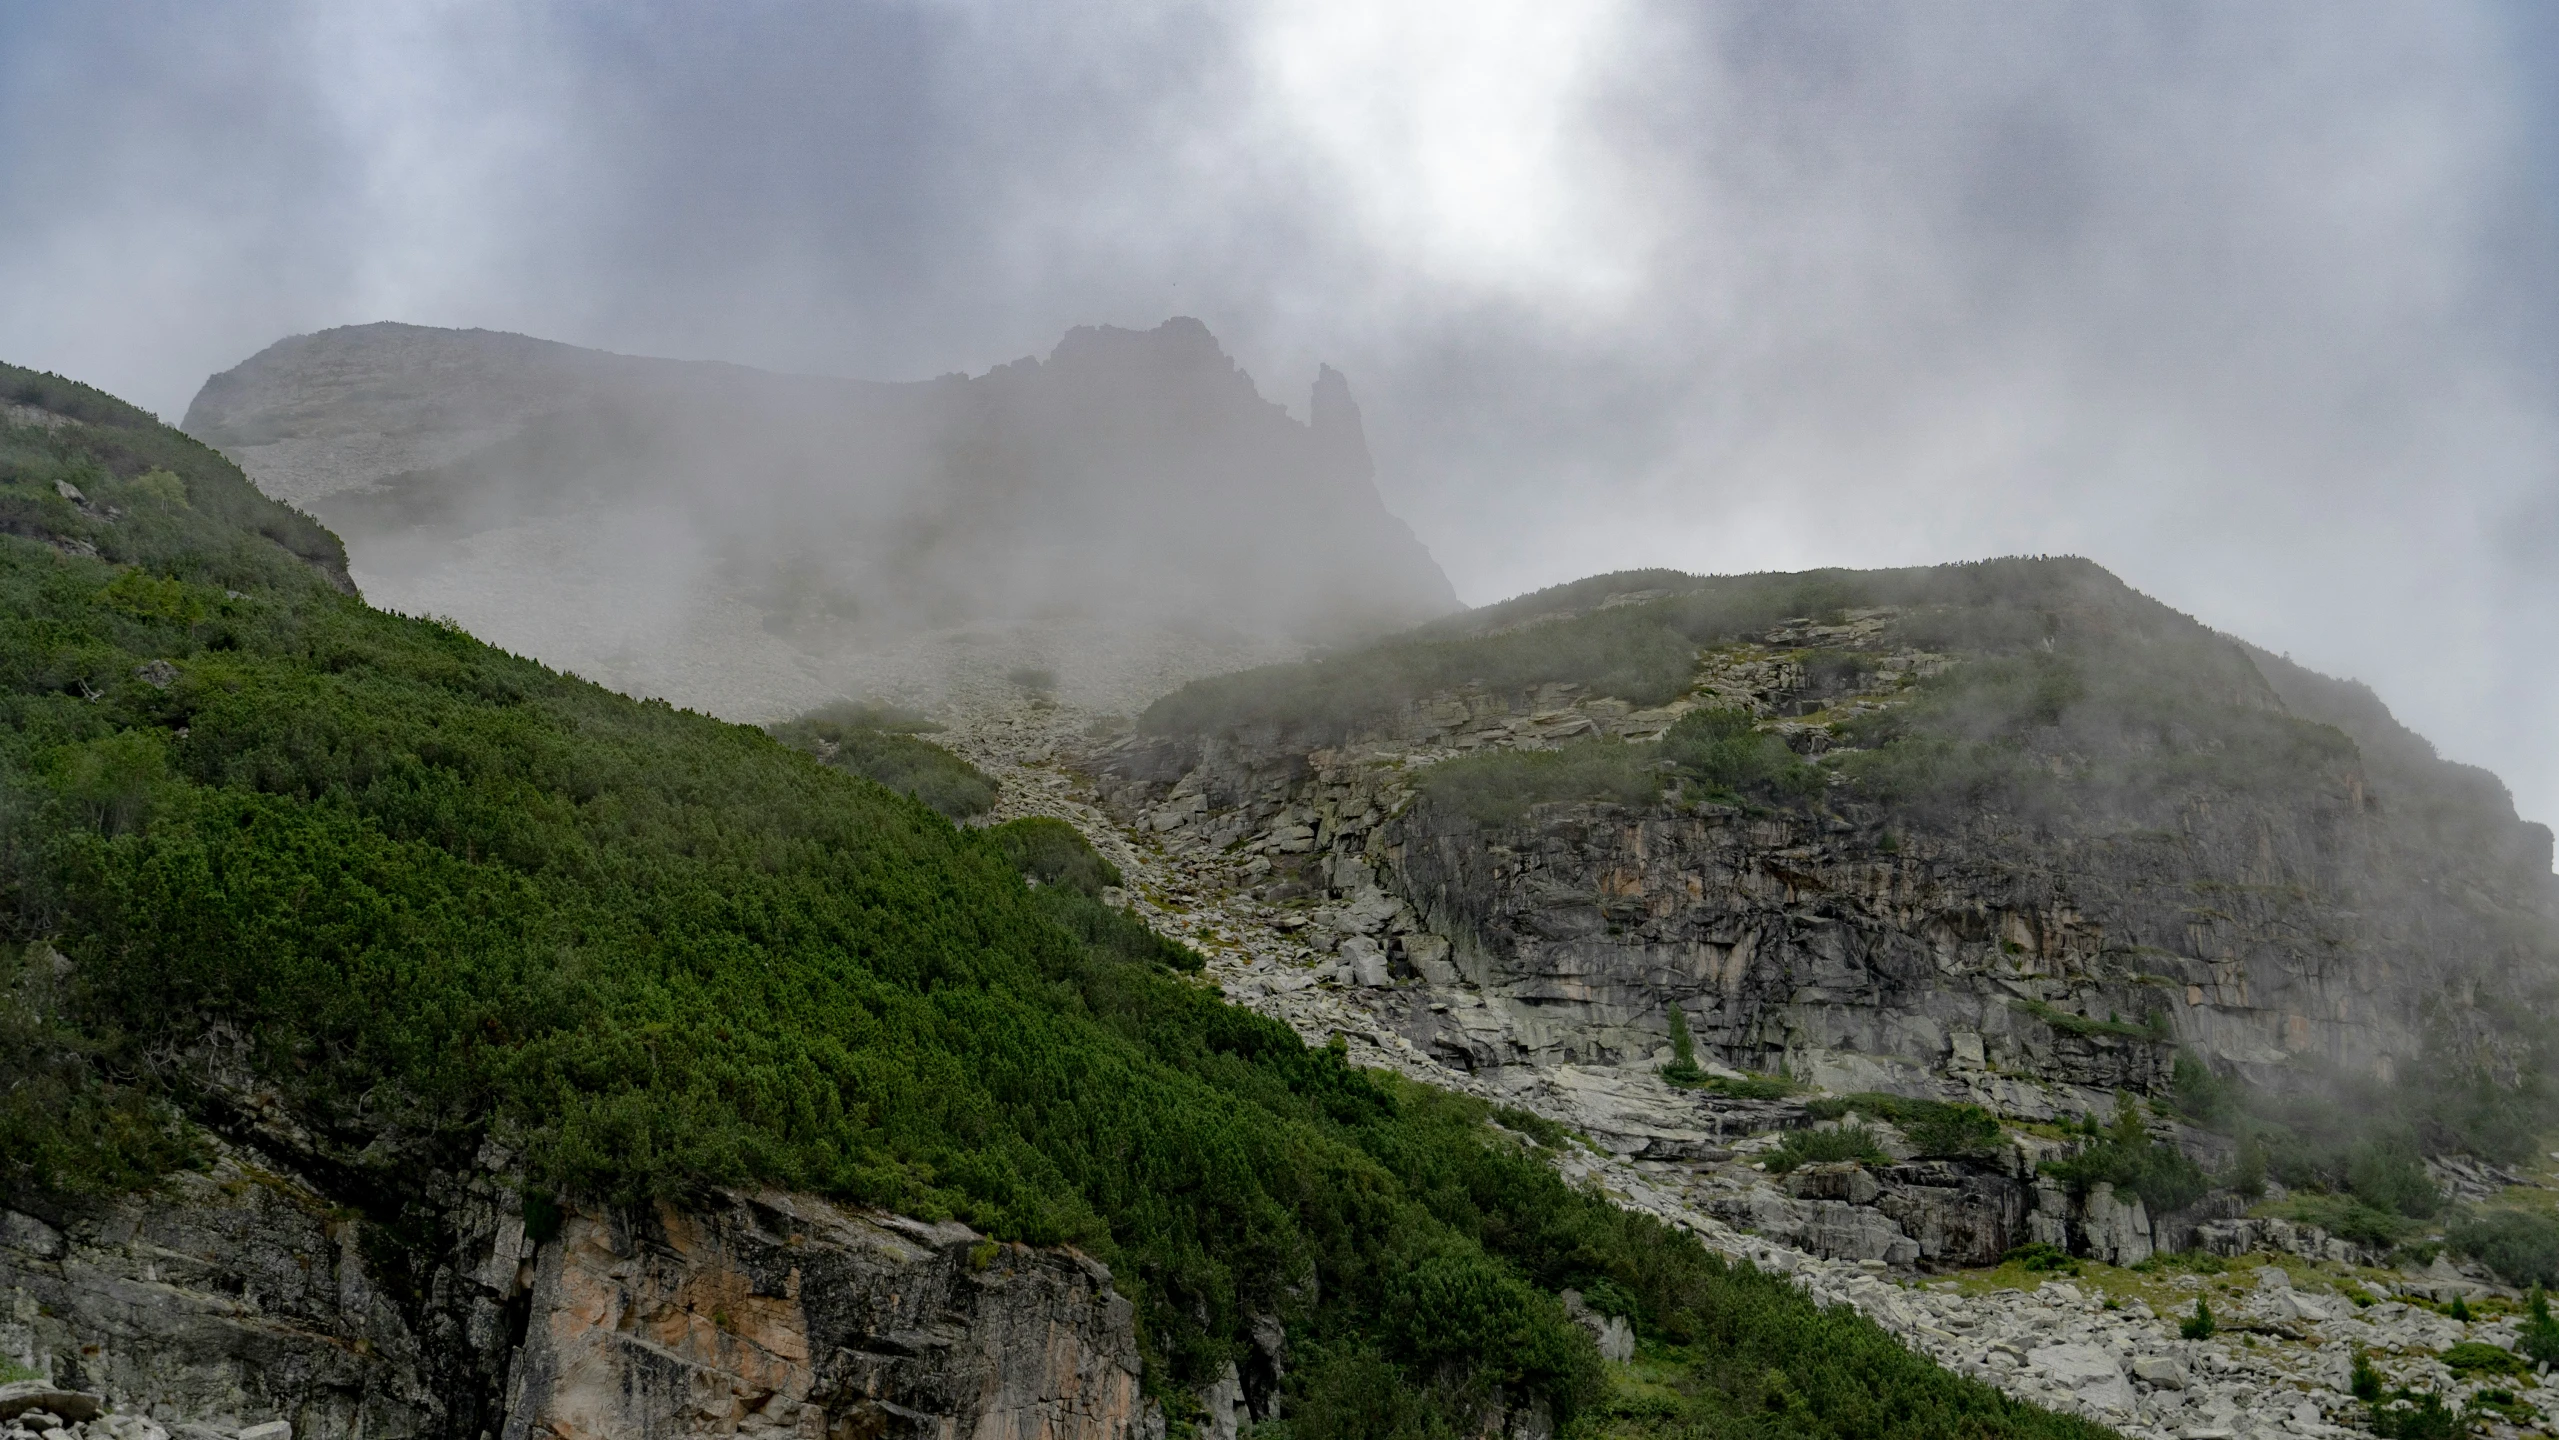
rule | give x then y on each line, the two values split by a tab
1826	1146
1934	1128
2521	1245
439	894
879	743
2125	1156
1499	787
1731	759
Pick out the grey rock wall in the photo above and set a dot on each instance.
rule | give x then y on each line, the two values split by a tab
241	1297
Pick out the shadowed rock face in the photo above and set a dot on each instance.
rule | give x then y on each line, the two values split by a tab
1131	478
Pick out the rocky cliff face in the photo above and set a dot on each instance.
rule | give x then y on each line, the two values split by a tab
2034	962
242	1296
775	1314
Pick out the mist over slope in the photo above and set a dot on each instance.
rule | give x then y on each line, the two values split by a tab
728	537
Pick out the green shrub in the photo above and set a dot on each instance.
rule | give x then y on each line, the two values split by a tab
1826	1146
2521	1245
2247	1169
1722	751
2200	1262
2387	1175
2124	1156
1052	852
1536	1127
831	723
2042	1257
2538	1336
1752	1087
2200	1325
1499	788
891	756
2363	1381
2205	1097
2070	1024
69	1125
1933	1127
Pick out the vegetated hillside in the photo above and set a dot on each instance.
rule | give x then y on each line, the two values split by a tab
2006	832
418	919
1130	476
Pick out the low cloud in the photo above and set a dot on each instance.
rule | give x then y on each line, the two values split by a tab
2250	304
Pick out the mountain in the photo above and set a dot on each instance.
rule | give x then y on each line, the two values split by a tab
401	1038
718	534
2007	835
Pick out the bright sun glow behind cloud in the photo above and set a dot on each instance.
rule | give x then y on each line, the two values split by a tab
1465	137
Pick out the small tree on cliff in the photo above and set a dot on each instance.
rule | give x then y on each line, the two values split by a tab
1682	1069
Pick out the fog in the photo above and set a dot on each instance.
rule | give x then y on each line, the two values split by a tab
2252	305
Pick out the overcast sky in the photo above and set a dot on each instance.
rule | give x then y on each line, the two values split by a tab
2251	303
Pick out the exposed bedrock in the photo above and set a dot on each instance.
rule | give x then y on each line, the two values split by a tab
240	1297
1981	957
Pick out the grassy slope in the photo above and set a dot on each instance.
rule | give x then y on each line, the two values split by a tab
443	893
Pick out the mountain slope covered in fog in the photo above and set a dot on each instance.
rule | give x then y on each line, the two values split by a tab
695	530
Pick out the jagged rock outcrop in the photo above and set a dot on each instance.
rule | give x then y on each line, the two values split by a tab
240	1297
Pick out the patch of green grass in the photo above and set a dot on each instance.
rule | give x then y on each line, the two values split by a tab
2192	1262
1645	653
